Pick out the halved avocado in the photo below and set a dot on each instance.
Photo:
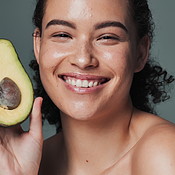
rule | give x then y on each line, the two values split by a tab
16	91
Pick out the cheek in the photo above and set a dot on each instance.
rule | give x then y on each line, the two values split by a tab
47	64
46	57
51	55
119	58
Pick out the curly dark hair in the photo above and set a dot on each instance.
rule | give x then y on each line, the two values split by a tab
148	86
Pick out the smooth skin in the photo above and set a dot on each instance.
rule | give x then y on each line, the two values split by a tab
103	134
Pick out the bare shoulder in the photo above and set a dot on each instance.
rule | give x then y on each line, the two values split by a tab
51	154
155	152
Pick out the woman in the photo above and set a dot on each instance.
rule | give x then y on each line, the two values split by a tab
93	64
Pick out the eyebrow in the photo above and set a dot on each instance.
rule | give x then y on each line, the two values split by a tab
111	24
60	22
97	26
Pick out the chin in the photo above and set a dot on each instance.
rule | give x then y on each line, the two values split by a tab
81	114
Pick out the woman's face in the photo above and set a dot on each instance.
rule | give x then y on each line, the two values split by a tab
87	55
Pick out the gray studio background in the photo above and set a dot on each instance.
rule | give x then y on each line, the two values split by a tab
16	25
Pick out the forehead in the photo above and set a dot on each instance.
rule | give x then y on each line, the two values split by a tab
91	10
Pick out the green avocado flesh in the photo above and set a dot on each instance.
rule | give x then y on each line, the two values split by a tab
16	91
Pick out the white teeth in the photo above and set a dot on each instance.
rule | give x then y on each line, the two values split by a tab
91	84
73	82
78	83
85	83
69	81
95	83
82	83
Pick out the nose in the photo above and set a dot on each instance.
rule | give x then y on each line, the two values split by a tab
84	57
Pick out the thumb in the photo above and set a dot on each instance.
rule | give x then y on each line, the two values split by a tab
36	119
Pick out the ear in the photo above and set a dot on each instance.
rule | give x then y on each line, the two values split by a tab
142	53
36	43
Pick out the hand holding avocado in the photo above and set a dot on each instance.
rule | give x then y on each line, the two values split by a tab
21	151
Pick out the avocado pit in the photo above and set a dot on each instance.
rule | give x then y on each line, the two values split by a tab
10	94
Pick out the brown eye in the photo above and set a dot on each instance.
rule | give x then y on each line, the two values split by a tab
108	38
62	35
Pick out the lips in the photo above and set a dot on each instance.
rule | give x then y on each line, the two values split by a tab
84	81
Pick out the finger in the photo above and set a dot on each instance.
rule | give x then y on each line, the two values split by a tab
36	119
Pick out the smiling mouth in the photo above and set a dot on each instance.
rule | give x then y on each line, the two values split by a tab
88	82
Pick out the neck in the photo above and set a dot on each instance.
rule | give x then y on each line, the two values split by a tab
95	145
